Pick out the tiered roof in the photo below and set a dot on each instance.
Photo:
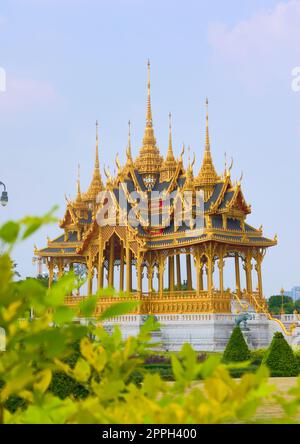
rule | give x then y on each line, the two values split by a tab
225	208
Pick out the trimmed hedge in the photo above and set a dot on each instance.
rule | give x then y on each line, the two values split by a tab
165	370
238	372
280	358
236	349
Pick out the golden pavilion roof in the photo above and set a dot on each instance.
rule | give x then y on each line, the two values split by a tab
225	207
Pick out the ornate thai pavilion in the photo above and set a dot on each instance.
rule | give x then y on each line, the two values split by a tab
183	266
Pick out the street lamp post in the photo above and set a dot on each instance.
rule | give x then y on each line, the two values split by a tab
4	195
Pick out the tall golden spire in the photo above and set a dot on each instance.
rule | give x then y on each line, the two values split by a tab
170	155
96	184
207	141
169	165
97	147
149	111
78	197
207	174
128	150
149	159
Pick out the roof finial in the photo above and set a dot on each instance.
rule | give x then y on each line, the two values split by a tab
149	159
96	183
170	155
128	150
78	198
207	175
97	147
149	111
207	141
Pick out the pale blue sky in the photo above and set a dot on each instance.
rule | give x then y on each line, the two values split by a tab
69	63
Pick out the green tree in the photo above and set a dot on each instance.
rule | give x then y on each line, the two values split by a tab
297	305
275	304
237	349
280	358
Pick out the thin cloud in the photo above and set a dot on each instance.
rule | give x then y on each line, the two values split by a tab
22	93
267	44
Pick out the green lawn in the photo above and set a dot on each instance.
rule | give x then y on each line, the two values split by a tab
270	410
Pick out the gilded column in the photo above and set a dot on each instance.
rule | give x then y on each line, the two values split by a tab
189	272
198	271
51	271
128	268
171	273
248	269
161	275
139	272
178	272
122	268
237	274
259	259
150	277
90	276
201	276
221	264
100	265
209	270
111	262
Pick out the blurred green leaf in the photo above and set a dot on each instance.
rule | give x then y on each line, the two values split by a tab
63	314
9	232
82	370
119	309
88	306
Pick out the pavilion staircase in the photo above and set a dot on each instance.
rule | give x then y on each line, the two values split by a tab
253	304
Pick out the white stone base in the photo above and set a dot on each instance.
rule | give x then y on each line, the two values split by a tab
205	332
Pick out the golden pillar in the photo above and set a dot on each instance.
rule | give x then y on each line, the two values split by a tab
189	272
178	272
198	272
248	269
237	274
61	268
100	265
161	270
128	269
209	271
90	276
50	265
150	277
121	267
259	274
221	265
111	262
139	273
171	273
201	276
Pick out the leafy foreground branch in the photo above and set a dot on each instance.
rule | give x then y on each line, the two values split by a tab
41	346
